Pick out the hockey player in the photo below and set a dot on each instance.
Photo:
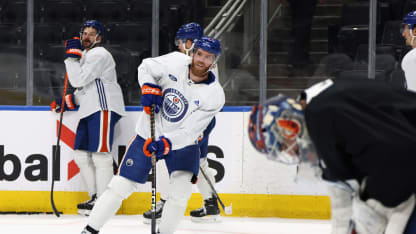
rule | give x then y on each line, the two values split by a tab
360	133
91	70
191	97
409	60
185	39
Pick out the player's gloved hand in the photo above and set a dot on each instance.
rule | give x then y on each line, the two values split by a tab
151	94
69	103
73	48
160	147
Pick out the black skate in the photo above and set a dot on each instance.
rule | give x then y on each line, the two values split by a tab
148	214
89	230
86	207
209	213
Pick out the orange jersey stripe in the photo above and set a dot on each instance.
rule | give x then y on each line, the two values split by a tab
104	136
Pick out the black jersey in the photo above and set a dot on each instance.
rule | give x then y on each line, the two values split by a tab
366	129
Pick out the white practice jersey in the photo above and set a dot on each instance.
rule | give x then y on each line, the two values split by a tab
187	107
94	76
409	68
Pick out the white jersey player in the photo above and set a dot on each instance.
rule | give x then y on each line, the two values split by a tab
187	96
409	60
185	39
92	72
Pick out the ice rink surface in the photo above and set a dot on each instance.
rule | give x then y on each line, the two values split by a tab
129	224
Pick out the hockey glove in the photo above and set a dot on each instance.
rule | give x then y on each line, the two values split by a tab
160	147
151	94
73	48
68	105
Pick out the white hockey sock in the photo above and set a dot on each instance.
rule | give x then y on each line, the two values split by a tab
103	163
109	202
180	189
87	170
202	183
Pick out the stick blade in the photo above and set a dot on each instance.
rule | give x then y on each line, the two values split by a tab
228	210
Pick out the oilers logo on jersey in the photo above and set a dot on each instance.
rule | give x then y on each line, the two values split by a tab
175	105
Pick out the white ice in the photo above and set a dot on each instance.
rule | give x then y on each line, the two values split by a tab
126	224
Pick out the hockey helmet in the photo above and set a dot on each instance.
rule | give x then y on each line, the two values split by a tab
277	129
209	44
95	24
409	20
191	31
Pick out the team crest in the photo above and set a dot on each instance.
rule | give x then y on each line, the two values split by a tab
175	105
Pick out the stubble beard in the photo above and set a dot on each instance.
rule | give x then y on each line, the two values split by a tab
86	44
198	71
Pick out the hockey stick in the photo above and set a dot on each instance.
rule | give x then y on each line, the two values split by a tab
152	135
228	210
57	145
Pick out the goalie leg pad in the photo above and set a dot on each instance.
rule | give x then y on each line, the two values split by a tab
180	189
401	216
107	205
103	170
369	216
87	170
202	183
341	209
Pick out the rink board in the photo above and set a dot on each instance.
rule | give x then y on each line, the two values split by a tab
255	186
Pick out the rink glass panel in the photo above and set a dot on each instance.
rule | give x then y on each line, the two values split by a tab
338	44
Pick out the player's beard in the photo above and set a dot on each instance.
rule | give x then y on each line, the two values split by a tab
86	43
199	70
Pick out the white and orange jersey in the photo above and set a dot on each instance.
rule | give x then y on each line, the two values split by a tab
94	76
187	107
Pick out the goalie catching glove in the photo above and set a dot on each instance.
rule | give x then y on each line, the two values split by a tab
69	104
160	147
151	94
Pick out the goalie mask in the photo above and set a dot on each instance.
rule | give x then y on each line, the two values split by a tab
277	128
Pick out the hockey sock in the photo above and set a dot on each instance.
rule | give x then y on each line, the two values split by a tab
109	202
202	183
103	163
87	170
180	188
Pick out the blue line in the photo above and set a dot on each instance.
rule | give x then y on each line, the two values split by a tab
128	108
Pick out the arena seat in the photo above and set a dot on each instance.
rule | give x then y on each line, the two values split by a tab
397	78
45	33
134	36
64	11
107	11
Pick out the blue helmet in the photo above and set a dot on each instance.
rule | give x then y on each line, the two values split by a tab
192	31
410	19
209	44
95	24
277	128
